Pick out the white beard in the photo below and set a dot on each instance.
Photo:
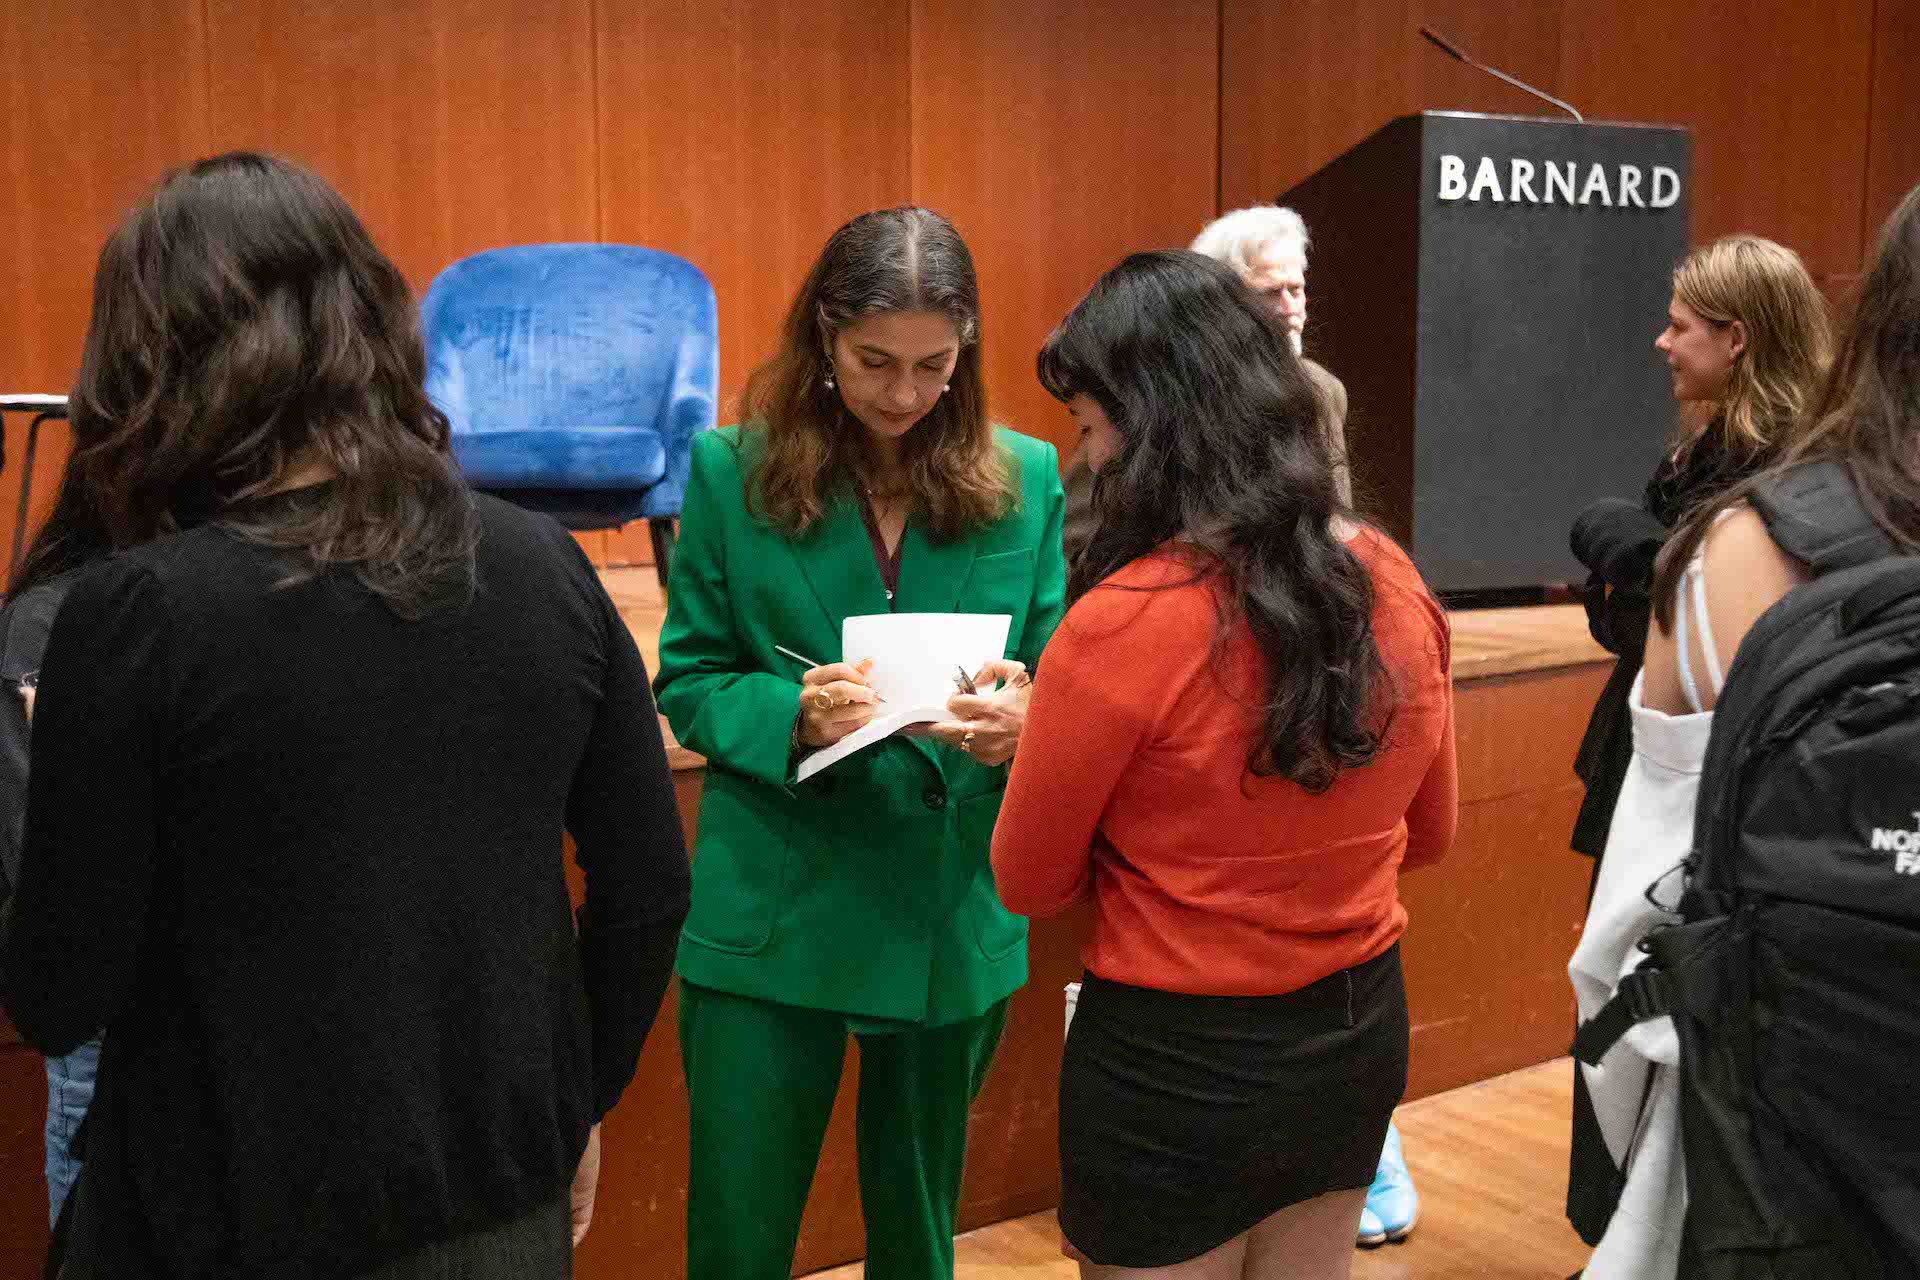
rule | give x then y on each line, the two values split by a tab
1294	338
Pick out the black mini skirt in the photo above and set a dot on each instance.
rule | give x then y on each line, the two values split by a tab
1186	1120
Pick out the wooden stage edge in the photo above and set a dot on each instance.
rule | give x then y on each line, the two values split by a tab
1486	642
1485	954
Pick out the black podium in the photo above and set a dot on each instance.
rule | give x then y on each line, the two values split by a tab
1489	288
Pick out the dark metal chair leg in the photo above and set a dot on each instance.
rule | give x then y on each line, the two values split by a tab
660	529
26	491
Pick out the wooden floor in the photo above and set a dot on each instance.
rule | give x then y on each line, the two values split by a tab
1489	1161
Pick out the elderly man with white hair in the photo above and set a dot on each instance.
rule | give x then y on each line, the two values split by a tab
1267	247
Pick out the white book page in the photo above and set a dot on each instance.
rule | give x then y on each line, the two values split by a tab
915	659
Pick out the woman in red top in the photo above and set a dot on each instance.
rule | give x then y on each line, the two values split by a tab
1240	734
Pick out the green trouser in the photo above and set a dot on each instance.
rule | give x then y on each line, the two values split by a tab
761	1079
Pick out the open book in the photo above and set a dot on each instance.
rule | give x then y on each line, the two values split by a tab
915	658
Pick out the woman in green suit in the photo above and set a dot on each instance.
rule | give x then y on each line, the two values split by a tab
865	478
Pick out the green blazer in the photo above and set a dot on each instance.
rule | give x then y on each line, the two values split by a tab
866	889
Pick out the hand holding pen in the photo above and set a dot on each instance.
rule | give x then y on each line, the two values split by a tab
987	725
835	699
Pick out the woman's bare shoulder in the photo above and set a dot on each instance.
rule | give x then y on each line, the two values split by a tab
1746	572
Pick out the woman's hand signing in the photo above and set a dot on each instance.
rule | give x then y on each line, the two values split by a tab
834	701
987	726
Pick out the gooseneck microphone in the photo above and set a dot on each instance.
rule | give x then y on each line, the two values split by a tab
1440	43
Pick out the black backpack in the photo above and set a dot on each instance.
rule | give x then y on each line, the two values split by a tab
1793	978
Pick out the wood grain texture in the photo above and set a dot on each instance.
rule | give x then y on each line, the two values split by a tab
1489	1161
1057	146
1490	929
1500	642
1893	130
93	112
23	1184
450	126
1784	164
739	134
1518	733
1300	83
1489	935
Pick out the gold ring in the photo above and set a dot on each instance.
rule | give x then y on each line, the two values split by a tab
966	742
823	700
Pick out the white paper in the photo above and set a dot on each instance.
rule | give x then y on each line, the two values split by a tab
915	658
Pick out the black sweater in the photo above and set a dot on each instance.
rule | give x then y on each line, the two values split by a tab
302	860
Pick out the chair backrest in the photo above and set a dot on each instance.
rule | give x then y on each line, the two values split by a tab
574	375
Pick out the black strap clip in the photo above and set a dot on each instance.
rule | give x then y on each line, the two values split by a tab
1642	995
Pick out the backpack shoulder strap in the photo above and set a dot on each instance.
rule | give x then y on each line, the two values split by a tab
1814	514
1644	994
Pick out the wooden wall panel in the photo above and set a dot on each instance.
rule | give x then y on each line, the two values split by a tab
1057	147
1789	165
1012	1134
451	126
1490	929
1302	82
94	111
739	134
1893	132
23	1186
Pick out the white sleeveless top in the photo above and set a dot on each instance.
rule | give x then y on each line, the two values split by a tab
1652	833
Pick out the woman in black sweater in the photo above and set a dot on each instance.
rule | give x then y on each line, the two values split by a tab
301	763
1746	343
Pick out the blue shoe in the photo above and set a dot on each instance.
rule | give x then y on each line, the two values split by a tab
1392	1205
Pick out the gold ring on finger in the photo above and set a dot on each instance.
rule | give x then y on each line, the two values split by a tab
966	742
823	700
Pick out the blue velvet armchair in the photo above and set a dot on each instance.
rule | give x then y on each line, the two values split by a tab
574	376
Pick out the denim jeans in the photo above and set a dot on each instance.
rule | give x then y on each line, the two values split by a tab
69	1094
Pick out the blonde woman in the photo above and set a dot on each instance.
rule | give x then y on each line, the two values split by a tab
1747	344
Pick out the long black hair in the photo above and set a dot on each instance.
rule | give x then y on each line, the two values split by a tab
1223	455
244	326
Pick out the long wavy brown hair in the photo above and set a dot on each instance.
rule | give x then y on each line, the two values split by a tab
245	328
1867	415
890	260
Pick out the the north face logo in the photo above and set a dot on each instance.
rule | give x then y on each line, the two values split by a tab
1903	844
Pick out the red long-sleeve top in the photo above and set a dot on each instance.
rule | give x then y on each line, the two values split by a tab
1131	786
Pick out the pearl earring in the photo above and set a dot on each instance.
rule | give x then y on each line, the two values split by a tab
946	387
827	380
